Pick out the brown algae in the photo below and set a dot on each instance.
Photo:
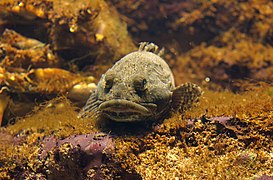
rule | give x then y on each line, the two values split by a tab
207	149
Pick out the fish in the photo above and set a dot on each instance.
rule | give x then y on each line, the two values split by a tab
139	87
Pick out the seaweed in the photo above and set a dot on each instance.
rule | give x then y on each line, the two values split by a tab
233	130
52	50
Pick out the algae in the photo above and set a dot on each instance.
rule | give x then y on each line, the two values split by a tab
224	46
179	148
189	146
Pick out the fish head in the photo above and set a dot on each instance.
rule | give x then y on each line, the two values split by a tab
138	87
131	91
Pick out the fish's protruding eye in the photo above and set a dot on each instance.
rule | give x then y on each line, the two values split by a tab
109	81
140	83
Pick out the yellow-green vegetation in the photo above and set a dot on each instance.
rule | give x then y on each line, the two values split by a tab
56	117
232	57
218	44
174	149
20	143
220	41
208	150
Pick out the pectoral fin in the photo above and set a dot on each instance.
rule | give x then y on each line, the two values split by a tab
184	96
91	108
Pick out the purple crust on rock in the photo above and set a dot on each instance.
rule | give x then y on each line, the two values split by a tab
264	177
87	156
221	119
48	144
91	144
84	152
7	138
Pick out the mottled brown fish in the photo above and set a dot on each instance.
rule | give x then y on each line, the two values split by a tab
139	87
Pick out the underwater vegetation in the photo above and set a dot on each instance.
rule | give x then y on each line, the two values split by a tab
219	41
227	135
53	52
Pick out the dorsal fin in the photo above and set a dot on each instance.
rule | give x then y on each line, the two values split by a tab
150	47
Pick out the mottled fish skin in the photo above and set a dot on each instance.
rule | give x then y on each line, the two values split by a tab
140	86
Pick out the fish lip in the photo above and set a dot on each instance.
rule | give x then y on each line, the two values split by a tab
125	110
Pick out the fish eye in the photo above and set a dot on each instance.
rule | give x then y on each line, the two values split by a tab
140	84
109	81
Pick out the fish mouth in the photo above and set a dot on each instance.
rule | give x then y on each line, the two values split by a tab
124	110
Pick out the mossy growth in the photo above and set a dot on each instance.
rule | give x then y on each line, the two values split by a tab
230	60
21	142
187	146
207	149
58	117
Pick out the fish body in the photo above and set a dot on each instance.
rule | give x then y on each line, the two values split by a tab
139	87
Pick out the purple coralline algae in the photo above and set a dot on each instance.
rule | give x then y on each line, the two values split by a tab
77	156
